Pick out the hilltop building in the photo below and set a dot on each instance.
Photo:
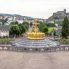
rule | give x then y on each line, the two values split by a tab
58	16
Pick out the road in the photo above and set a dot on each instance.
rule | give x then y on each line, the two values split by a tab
24	60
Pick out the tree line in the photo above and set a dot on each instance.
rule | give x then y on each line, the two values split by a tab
17	29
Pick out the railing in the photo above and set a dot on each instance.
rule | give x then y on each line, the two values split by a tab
31	49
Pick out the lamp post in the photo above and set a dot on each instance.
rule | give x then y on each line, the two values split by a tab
58	29
54	29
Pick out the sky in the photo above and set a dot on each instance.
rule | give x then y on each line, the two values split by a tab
33	8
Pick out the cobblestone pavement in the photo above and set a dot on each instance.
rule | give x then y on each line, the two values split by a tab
24	60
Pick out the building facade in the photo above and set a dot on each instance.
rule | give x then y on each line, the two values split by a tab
4	31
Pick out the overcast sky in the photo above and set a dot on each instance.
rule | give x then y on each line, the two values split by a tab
34	8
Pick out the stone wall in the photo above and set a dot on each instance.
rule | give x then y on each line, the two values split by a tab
31	49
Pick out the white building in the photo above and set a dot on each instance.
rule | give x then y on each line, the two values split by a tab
4	31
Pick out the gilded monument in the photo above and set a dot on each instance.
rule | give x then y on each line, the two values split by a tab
35	34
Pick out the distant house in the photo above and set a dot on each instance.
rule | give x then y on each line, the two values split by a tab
4	31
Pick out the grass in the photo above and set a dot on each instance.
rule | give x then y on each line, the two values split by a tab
50	29
5	40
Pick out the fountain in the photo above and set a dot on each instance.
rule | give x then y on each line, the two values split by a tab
35	40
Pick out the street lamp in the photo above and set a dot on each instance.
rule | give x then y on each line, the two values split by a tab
54	29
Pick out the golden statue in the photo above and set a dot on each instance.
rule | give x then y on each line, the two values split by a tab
35	34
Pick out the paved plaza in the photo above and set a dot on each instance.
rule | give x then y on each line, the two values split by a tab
25	60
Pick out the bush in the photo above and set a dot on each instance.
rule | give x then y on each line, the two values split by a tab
64	41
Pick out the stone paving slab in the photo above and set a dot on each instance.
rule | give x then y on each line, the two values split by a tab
25	60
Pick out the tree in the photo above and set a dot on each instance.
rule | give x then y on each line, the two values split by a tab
22	28
26	25
43	28
14	23
65	28
18	29
14	30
